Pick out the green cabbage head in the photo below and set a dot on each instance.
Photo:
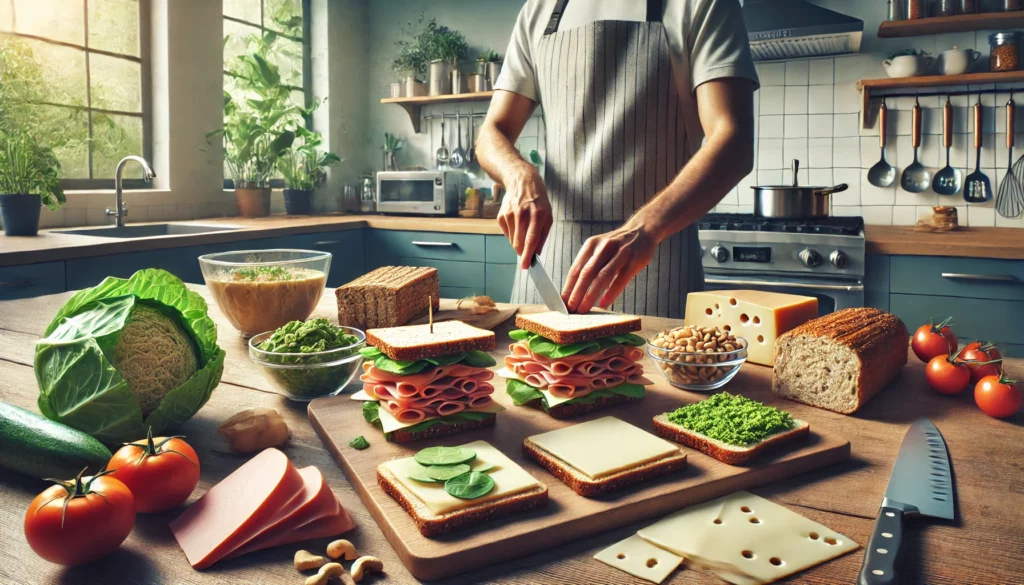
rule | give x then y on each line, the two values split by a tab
127	355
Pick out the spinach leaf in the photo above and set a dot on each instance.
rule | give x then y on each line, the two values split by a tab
521	392
479	359
371	412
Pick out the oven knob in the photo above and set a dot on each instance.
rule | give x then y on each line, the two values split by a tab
838	258
719	253
809	258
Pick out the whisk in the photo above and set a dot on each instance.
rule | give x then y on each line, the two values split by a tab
1010	199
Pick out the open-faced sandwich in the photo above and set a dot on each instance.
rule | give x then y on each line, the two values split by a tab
573	364
732	429
419	384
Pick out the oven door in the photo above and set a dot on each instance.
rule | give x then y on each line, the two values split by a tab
833	294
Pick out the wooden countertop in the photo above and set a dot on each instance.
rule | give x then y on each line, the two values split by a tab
50	245
980	546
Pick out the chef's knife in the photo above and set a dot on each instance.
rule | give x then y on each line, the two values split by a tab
545	288
921	483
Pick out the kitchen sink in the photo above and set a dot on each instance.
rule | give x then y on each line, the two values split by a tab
149	230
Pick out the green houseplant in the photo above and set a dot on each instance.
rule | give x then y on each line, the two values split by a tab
444	48
392	144
304	167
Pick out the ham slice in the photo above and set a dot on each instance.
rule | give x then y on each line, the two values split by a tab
440	391
238	508
334	525
577	375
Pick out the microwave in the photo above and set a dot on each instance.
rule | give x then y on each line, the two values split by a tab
421	192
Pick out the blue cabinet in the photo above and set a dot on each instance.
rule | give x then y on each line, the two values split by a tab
31	280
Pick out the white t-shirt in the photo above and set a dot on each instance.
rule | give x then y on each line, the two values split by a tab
707	37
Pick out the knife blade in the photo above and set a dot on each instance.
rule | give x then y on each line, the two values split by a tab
921	484
545	288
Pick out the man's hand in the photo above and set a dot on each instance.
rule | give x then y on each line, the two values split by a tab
605	265
525	217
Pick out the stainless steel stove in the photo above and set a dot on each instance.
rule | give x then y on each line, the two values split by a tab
821	257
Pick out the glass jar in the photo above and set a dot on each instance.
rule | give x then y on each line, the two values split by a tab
1005	51
968	6
917	9
944	8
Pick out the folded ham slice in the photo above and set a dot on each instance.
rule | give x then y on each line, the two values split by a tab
439	391
577	375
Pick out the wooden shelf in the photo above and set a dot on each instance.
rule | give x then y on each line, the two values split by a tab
945	24
867	86
413	105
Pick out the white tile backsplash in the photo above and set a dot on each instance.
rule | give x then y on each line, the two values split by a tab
819	153
796	100
821	72
771	74
820	125
819	99
770	127
797	72
795	126
773	100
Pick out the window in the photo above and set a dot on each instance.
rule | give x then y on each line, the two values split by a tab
287	24
85	67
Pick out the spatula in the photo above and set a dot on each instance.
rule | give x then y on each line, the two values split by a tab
977	189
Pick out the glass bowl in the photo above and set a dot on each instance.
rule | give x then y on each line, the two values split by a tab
305	376
262	290
698	371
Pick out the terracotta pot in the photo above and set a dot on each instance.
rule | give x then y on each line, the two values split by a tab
20	214
253	202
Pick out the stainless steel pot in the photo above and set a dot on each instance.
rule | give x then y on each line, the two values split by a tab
794	201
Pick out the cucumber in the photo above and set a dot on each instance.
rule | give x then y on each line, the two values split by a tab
40	447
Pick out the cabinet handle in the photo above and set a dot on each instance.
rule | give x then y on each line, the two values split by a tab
20	283
840	287
434	244
327	242
987	277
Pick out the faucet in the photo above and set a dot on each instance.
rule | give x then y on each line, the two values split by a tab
121	210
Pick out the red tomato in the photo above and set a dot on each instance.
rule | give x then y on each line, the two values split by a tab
81	520
946	375
161	472
974	359
997	397
933	340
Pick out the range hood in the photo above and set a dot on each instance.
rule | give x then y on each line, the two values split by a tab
789	29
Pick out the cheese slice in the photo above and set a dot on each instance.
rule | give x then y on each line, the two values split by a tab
604	446
757	316
641	559
746	539
362	396
509	479
550	399
390	424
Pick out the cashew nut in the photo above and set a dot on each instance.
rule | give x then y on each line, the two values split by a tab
342	548
364	565
305	560
325	574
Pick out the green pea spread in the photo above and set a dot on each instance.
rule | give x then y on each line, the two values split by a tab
735	420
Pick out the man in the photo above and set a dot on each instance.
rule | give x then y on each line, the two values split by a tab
628	88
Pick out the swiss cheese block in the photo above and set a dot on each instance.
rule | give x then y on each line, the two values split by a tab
746	539
757	316
603	446
509	479
641	559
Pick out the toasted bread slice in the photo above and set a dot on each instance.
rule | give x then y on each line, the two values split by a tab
564	329
431	524
586	486
571	409
433	431
415	342
724	452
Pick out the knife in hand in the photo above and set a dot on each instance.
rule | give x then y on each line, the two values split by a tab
545	288
921	483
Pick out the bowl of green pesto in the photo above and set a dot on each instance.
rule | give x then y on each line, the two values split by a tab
304	360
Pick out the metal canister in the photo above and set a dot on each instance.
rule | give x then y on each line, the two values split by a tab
397	90
493	70
458	82
477	83
440	80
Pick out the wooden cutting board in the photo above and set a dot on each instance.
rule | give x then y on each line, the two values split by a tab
448	312
568	516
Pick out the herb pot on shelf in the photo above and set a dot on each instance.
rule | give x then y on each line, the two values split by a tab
298	201
414	88
493	71
253	201
440	77
20	213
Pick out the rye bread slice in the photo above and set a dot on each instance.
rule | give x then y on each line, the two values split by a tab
387	297
724	452
416	342
565	329
443	430
430	524
571	409
587	486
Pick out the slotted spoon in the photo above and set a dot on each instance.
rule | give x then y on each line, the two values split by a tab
1010	199
977	189
947	181
916	177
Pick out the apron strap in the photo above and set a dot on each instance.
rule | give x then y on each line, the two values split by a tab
655	9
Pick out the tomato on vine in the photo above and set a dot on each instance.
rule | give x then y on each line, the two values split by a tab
947	375
933	339
161	472
998	396
980	362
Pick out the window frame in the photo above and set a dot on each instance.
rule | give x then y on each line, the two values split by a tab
145	79
307	66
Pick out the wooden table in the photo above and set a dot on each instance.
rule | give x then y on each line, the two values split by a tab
984	545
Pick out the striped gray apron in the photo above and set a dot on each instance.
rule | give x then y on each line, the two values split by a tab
615	138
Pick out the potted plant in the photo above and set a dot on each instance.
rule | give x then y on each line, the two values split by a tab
257	117
28	179
304	167
492	61
392	144
444	48
410	65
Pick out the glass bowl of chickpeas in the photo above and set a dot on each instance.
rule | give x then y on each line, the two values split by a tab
700	359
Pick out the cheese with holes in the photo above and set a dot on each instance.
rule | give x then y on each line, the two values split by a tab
641	559
757	316
604	446
509	479
746	539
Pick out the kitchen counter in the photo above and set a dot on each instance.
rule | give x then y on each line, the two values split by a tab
980	546
982	242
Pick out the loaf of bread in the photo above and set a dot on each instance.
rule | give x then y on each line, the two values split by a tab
841	360
389	296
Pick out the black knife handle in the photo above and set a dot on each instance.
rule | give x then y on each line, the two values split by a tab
883	551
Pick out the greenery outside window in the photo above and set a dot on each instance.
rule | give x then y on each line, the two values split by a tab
287	21
85	65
